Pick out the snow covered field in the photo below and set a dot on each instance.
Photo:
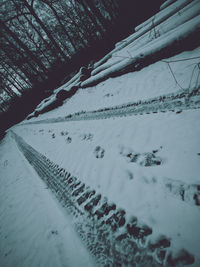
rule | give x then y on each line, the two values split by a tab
148	165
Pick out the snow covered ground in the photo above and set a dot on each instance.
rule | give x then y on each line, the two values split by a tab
151	81
148	165
102	154
34	231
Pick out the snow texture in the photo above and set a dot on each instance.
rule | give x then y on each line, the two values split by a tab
147	165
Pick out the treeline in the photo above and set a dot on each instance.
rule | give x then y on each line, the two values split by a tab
42	41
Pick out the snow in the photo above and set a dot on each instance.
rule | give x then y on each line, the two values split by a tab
158	18
34	231
163	14
184	22
157	46
140	162
144	84
166	4
187	13
139	189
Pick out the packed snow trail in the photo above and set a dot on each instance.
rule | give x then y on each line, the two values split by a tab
101	225
170	102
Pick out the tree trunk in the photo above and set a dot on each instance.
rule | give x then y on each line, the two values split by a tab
83	28
97	13
110	9
91	16
7	89
15	63
17	72
79	13
10	81
13	79
83	36
23	46
33	41
21	54
53	51
59	21
2	106
31	10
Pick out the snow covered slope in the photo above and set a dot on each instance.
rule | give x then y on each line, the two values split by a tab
121	157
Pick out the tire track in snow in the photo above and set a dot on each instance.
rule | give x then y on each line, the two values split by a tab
175	102
111	239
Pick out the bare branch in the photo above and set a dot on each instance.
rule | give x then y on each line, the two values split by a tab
17	16
183	59
174	75
32	3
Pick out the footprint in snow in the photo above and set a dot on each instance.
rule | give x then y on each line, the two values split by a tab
64	133
189	193
129	175
99	152
149	159
86	137
143	159
54	232
69	140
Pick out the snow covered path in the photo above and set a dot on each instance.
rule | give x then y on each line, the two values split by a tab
117	164
34	231
102	237
131	187
170	102
130	183
146	172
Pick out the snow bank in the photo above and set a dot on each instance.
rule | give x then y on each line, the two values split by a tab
135	86
52	101
151	52
76	79
160	14
159	17
187	13
107	69
46	106
71	80
166	4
